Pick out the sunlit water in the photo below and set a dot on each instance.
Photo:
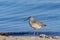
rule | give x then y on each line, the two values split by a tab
14	12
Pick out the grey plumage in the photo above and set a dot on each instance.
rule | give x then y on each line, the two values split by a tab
35	24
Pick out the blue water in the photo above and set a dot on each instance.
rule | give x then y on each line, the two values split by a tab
14	12
32	33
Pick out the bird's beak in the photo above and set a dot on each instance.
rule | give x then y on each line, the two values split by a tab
26	19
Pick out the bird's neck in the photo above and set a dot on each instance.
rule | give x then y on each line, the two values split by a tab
31	19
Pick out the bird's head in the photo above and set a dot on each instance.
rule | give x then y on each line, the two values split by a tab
29	18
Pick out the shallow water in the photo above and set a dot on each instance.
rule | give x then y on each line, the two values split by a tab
32	33
14	12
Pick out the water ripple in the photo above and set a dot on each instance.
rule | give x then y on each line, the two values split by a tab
14	12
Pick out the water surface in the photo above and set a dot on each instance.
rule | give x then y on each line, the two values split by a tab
14	12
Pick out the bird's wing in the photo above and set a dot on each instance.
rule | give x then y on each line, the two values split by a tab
38	22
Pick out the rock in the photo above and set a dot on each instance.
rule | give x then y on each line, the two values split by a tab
43	36
47	36
3	34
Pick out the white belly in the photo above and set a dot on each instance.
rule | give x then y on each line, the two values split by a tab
36	26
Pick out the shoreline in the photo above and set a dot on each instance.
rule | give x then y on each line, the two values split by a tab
41	37
29	33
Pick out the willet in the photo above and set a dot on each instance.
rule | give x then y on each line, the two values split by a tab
35	24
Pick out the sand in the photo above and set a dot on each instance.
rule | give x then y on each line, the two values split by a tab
26	38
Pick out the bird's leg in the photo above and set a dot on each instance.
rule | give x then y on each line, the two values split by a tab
35	32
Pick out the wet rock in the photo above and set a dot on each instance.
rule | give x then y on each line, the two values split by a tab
47	36
3	34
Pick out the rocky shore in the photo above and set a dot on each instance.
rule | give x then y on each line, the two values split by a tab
40	37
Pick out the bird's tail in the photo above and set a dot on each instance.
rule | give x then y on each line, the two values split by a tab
45	25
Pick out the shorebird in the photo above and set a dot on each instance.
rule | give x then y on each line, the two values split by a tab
35	24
